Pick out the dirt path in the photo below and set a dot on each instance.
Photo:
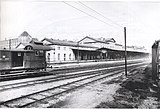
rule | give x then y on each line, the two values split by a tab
136	92
116	92
89	96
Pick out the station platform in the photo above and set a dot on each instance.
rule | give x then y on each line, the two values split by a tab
53	66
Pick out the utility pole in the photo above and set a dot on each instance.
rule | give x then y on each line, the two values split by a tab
78	53
125	52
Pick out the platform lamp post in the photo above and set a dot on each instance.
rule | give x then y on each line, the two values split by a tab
125	52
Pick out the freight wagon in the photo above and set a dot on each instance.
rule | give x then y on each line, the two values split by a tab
32	57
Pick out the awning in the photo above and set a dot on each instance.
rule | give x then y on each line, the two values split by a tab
84	48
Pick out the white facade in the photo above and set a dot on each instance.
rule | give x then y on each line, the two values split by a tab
64	51
59	53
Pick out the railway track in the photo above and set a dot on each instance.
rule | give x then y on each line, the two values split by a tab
46	98
23	74
53	78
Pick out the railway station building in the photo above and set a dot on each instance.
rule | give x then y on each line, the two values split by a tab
86	49
89	48
68	51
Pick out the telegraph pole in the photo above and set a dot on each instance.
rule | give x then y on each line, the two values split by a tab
125	52
78	53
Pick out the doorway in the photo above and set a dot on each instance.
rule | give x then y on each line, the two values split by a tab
17	59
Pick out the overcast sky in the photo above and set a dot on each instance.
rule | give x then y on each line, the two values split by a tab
75	20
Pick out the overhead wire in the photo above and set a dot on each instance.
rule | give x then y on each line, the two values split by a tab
148	28
87	14
100	14
59	21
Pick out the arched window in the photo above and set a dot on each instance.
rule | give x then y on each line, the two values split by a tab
58	56
58	48
64	57
36	53
69	56
28	47
48	57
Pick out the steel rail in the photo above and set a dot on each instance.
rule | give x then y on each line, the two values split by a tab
102	73
48	80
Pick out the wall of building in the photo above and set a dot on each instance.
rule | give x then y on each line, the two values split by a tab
32	60
5	60
13	43
60	54
9	44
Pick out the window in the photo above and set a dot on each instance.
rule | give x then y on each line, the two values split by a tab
36	53
54	56
48	57
19	54
58	56
64	48
3	56
69	56
64	57
58	48
29	48
41	53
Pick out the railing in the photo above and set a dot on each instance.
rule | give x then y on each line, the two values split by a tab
155	60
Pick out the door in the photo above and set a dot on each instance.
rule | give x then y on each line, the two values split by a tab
17	59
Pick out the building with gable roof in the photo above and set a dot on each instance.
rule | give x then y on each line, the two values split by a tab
89	48
15	43
63	50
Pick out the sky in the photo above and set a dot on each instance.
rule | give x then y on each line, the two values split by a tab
74	20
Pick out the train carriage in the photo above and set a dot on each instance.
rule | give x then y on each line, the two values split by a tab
30	58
